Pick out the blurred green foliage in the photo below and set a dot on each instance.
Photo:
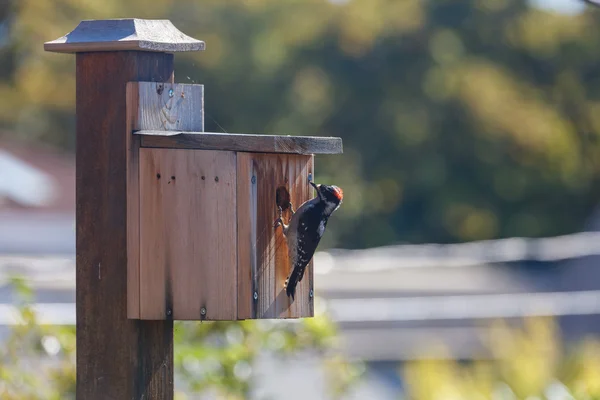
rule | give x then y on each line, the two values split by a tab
527	363
461	120
37	361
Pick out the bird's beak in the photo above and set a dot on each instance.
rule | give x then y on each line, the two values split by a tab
314	185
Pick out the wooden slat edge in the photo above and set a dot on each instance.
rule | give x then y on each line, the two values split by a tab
242	142
246	232
124	45
311	266
133	204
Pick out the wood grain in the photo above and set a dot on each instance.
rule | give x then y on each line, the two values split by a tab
188	234
246	239
169	107
242	142
124	34
132	143
262	251
117	358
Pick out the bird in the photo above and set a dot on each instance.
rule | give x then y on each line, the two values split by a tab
306	228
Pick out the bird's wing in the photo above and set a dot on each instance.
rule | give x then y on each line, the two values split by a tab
307	242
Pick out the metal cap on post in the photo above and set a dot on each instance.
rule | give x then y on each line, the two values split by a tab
117	358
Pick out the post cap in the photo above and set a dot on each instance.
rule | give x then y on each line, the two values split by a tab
156	35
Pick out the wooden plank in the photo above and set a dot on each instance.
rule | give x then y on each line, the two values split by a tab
188	234
267	249
310	270
242	142
125	34
246	239
132	143
170	107
156	105
117	358
156	292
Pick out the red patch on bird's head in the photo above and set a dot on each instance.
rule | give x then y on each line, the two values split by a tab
338	192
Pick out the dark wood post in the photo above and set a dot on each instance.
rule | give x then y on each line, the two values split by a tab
117	358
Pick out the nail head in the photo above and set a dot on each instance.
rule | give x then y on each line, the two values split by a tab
170	92
310	294
216	179
255	295
253	179
203	311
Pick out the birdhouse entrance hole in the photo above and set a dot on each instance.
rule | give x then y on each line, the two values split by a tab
282	198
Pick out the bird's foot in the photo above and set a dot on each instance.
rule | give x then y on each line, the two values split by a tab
279	220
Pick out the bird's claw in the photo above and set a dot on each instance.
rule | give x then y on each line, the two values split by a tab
278	221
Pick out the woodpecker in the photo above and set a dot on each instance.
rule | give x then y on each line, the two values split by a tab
306	228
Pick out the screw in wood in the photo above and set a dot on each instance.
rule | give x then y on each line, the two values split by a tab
169	312
170	92
310	294
255	295
203	311
253	179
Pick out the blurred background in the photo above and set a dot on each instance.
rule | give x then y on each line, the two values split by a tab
464	261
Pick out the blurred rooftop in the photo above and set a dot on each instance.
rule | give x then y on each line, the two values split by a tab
36	179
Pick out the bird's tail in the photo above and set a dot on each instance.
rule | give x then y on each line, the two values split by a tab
292	281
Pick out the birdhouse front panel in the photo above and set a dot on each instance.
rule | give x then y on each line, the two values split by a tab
188	254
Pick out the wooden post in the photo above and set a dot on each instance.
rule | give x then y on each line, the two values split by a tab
117	358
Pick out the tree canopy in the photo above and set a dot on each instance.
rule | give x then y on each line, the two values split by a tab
461	120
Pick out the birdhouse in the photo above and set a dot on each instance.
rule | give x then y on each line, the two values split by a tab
200	207
203	245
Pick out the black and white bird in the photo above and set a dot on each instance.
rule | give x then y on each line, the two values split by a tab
306	228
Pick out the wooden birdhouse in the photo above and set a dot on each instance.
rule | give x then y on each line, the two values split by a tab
203	245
